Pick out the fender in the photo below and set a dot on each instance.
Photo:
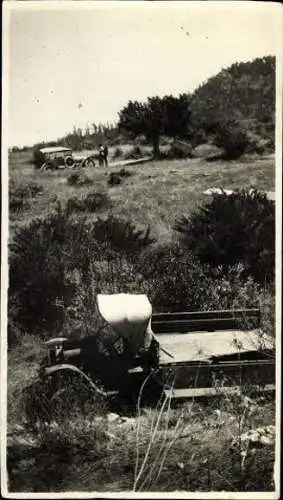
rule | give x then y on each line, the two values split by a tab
50	370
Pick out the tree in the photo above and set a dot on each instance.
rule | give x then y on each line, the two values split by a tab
157	116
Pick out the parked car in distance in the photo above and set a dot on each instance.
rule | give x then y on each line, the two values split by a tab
56	157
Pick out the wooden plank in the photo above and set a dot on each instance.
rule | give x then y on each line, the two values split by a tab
190	325
221	364
225	313
211	391
196	321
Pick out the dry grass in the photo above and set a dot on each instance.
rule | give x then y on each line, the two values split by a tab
23	362
162	449
157	193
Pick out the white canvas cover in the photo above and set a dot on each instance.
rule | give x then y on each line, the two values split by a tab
130	316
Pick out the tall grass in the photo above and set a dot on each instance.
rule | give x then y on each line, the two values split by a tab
193	447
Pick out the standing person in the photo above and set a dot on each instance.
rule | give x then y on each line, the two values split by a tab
106	155
101	155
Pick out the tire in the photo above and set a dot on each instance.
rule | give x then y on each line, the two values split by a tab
69	161
46	166
36	399
90	163
72	397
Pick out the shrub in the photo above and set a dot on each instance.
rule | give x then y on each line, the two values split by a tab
19	194
74	204
39	286
53	258
232	139
113	179
175	280
96	201
124	173
177	151
91	202
121	235
118	153
79	179
135	153
73	178
231	229
108	272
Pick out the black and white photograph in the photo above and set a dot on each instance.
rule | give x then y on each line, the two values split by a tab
141	249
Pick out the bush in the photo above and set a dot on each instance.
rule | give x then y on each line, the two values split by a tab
79	179
135	153
231	229
232	139
97	201
19	194
39	285
178	152
121	235
52	259
74	204
114	179
124	173
118	153
91	202
108	272
176	281
73	178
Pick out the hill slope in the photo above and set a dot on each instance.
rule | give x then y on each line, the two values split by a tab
244	92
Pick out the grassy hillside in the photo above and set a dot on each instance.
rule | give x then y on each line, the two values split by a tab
155	193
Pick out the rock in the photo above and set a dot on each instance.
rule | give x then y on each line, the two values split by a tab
211	191
112	417
131	422
264	436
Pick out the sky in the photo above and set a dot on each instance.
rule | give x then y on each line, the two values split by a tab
77	63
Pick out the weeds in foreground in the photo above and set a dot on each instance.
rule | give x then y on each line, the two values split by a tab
192	447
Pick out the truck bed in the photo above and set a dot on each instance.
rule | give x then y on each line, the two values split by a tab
204	346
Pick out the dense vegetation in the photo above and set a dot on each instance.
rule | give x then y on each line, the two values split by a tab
53	259
244	93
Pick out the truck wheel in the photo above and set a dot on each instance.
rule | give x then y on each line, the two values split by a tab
46	166
69	161
73	396
90	163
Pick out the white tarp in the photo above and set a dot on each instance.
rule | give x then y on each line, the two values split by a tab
130	316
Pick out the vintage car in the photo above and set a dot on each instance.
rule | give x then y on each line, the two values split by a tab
57	157
181	355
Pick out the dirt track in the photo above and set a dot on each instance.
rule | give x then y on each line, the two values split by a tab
124	163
